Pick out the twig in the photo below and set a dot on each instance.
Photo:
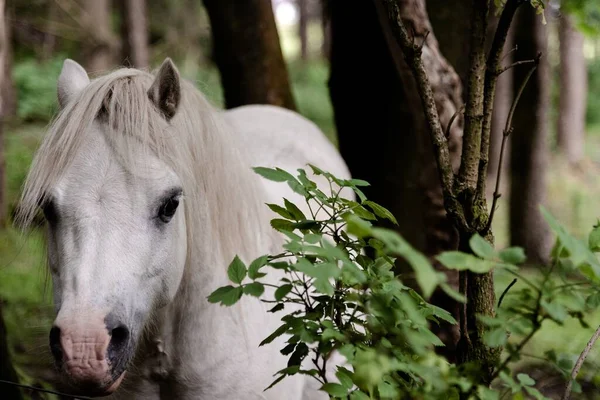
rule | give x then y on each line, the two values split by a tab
456	114
515	64
3	382
506	291
491	78
507	131
508	53
579	363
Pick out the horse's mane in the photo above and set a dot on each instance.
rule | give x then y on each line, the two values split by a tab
219	187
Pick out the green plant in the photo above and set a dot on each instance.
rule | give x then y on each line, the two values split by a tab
340	294
36	88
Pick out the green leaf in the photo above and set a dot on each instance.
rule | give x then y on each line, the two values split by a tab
442	314
282	291
358	182
329	334
463	261
482	247
380	211
513	255
276	175
344	376
313	238
487	393
525	379
495	337
358	395
361	211
226	295
298	354
276	381
255	266
254	289
281	211
294	211
282	225
425	274
278	332
236	270
594	239
335	389
593	301
580	254
556	311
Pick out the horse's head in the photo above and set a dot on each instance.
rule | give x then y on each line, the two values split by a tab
117	238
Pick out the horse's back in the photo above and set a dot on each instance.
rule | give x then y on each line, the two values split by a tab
276	137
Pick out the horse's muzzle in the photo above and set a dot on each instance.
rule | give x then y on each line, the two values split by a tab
91	353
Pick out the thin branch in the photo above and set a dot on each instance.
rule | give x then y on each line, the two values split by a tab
3	382
506	291
491	78
579	363
456	114
515	64
507	131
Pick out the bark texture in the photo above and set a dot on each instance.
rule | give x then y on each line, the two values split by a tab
529	148
134	33
382	131
573	92
99	45
247	51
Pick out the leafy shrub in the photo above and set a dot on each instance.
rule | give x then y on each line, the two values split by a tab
36	88
354	304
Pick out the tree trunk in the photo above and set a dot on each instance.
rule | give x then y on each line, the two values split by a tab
99	44
303	28
381	128
529	149
3	74
573	92
326	28
8	92
452	24
247	51
134	33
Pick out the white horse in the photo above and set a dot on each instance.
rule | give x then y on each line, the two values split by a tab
149	194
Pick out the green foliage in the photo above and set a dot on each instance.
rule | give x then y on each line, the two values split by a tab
593	98
36	88
340	294
586	14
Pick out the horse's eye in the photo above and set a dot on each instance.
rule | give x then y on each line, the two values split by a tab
49	210
168	208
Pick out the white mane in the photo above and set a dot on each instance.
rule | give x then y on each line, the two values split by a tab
195	143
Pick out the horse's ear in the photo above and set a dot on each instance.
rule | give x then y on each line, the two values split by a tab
71	81
165	91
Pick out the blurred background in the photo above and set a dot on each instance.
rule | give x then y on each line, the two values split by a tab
333	62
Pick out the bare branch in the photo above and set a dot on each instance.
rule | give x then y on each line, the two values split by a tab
515	64
507	131
579	363
456	114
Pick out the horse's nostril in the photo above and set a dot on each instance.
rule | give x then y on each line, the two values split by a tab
55	345
118	338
